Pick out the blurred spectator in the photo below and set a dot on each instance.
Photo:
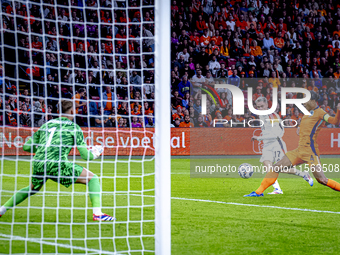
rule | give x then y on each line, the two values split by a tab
109	100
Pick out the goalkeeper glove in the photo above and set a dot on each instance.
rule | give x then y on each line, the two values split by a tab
96	151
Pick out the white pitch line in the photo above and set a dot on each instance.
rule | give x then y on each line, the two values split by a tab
37	240
253	205
201	200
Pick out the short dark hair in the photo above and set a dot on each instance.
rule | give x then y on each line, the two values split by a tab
66	105
81	90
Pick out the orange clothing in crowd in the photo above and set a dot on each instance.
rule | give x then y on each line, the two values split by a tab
336	75
133	106
222	23
109	103
184	124
279	42
136	113
256	51
201	25
335	49
215	47
228	117
195	38
242	24
108	48
177	115
121	43
37	45
256	96
224	51
276	82
217	39
314	89
336	33
77	100
205	40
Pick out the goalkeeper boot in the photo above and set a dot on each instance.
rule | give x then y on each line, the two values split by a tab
103	217
308	179
254	194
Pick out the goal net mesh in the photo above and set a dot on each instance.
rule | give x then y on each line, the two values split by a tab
100	55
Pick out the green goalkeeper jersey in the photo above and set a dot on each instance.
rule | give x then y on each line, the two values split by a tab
55	139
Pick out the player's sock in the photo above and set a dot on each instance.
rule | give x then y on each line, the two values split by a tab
333	184
268	180
17	198
276	185
94	189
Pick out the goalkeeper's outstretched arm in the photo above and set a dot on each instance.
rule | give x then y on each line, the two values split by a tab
82	148
90	154
85	153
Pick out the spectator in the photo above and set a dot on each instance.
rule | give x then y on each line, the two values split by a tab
176	100
268	42
186	122
150	123
214	66
79	105
184	86
234	79
135	124
135	78
109	100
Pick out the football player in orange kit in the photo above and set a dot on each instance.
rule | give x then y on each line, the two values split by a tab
307	151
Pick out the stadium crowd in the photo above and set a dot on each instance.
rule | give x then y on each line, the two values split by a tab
100	53
252	43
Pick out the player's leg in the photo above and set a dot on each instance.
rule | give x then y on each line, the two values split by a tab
277	189
271	176
304	174
273	173
321	178
22	195
281	150
92	181
270	153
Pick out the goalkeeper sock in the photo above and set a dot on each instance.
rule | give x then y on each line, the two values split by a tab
268	180
17	198
333	185
94	189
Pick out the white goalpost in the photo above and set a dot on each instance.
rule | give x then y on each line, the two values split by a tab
163	153
96	54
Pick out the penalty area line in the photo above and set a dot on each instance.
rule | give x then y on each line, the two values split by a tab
40	241
253	205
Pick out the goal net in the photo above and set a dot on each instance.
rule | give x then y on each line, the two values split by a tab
103	55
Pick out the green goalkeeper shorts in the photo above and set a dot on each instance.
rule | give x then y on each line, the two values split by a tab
65	173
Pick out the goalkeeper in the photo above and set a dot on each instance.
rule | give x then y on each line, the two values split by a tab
52	144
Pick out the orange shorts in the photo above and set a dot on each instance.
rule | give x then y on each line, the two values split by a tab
303	155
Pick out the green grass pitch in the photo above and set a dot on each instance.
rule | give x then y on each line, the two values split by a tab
204	220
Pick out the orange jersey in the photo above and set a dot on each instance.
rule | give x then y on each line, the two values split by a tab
184	124
77	98
310	128
279	42
205	40
256	51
